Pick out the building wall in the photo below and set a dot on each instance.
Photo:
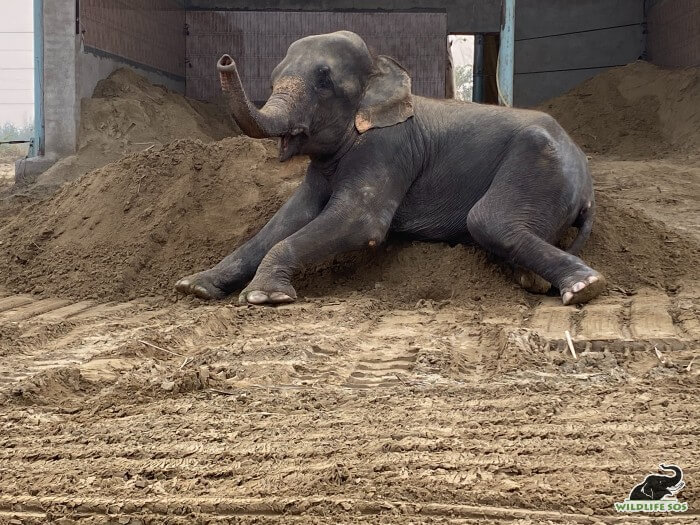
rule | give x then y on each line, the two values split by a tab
463	16
147	33
258	41
560	43
673	33
92	66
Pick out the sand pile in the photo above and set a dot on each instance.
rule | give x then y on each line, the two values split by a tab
128	228
635	111
135	226
127	114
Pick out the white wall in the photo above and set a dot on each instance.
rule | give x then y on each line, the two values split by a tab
16	62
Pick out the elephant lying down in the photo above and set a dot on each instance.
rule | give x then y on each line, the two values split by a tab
384	160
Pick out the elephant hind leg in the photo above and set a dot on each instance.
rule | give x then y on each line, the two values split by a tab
530	281
534	197
584	223
577	282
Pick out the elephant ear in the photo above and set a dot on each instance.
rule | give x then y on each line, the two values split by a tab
387	99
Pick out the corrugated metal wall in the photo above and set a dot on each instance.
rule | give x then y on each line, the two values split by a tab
148	32
561	43
258	41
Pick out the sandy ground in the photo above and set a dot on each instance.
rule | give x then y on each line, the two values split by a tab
374	399
7	174
348	409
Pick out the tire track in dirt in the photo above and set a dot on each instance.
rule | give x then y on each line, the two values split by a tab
344	408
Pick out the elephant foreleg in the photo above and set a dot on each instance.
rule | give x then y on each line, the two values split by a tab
346	224
237	268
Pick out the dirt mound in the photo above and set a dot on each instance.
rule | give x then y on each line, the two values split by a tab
130	227
635	111
135	226
127	114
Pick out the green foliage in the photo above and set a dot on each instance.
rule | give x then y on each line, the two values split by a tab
8	131
464	82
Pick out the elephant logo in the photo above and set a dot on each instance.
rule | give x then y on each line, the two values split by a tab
657	493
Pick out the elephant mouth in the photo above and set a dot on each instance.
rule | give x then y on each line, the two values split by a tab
292	143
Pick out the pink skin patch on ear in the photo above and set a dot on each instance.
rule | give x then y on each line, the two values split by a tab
362	123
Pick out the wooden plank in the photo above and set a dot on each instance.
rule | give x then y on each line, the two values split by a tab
601	322
649	318
552	321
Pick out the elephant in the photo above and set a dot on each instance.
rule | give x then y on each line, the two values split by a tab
383	160
656	486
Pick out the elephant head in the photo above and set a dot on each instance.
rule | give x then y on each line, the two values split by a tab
326	90
656	486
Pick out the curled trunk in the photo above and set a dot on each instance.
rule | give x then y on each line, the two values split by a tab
270	121
678	475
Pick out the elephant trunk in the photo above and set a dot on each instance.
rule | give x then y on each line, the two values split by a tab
677	474
270	121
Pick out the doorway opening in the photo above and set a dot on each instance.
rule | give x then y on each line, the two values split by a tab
460	69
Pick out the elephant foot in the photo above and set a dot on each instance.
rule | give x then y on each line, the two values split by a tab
259	295
531	281
583	289
200	285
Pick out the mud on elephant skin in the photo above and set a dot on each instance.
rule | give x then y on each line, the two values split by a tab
384	160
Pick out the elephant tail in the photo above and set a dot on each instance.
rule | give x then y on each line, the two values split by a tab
584	223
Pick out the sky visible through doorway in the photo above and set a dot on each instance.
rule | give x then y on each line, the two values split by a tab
462	51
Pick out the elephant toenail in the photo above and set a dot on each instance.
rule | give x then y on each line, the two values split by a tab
200	291
280	297
257	297
566	298
578	287
592	279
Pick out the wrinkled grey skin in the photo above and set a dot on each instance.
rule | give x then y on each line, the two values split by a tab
656	486
383	160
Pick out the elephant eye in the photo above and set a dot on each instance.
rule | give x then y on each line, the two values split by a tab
323	78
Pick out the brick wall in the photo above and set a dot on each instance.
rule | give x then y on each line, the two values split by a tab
147	32
673	33
258	41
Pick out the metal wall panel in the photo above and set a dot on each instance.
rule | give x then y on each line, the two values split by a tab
673	37
258	41
147	32
560	43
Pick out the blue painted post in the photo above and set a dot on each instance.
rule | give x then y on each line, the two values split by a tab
506	54
38	145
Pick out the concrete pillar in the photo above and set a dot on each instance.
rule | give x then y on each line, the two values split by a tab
61	106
